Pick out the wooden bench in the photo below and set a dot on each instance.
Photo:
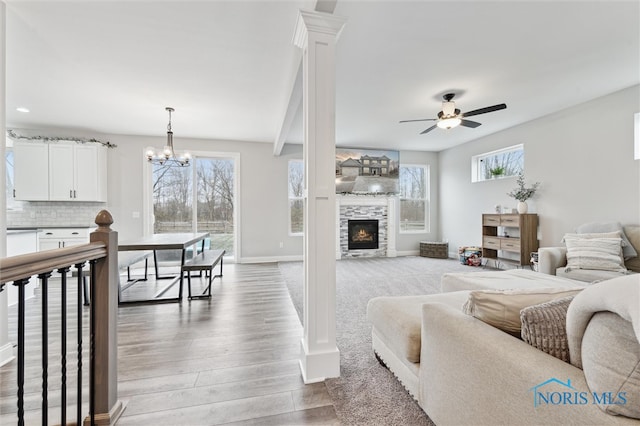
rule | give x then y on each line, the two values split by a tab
204	261
125	260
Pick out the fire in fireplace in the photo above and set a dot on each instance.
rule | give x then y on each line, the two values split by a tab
363	234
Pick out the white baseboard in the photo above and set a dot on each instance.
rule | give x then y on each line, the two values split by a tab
318	366
408	253
6	354
271	259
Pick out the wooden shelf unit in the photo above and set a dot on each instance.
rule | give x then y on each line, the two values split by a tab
522	246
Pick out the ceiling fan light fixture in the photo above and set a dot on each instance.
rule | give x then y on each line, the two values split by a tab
449	122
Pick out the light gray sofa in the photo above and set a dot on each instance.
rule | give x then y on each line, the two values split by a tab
463	371
553	261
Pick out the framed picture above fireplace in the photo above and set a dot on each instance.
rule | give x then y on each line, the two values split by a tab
367	171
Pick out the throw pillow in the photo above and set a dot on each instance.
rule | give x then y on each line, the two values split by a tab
627	248
544	326
501	308
611	363
633	234
594	253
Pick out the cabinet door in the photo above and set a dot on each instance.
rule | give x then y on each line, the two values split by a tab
61	172
86	173
31	171
48	244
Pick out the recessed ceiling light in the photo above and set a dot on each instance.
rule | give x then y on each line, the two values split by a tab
22	109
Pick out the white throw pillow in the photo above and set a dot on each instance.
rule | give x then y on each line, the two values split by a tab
627	248
604	254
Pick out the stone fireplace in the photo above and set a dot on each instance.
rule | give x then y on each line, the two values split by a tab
362	211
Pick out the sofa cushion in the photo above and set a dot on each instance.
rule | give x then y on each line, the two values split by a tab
501	308
501	280
594	253
587	275
611	363
544	326
398	319
594	227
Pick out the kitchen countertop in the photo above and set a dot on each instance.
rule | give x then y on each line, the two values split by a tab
35	228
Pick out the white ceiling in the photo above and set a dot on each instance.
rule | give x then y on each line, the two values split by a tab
228	67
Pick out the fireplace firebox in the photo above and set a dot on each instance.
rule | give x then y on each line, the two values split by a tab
363	234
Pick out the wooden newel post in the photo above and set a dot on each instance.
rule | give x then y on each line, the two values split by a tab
105	300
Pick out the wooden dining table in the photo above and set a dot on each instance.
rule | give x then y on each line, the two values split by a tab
168	241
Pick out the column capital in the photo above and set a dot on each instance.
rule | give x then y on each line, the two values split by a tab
316	22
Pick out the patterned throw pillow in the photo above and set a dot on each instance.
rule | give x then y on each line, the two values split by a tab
603	254
544	326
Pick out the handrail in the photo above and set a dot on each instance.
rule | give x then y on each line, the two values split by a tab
26	265
101	255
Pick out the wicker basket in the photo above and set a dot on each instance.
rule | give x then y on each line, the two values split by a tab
434	249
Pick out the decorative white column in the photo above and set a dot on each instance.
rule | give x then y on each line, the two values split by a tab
316	34
6	349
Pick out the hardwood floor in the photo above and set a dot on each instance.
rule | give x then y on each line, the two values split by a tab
229	360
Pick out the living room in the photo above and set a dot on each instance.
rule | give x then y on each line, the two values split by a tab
581	149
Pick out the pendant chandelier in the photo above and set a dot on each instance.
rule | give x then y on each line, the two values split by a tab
168	156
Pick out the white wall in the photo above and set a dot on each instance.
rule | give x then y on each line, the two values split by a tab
583	157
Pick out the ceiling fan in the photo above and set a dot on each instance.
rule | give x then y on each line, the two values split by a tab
451	117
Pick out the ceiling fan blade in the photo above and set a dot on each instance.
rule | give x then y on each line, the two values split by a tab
422	119
429	129
484	110
469	123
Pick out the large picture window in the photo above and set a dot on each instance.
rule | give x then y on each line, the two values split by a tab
498	164
414	198
199	198
296	199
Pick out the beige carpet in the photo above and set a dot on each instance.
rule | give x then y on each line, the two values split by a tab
366	393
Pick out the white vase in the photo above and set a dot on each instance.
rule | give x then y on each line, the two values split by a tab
522	207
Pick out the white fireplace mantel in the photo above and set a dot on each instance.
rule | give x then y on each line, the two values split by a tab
363	200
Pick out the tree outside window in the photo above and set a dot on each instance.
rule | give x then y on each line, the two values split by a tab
296	197
414	198
179	205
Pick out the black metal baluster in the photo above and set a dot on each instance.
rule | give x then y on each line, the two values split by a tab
92	344
80	304
20	284
63	344
44	279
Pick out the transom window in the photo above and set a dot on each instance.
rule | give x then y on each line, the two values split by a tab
498	164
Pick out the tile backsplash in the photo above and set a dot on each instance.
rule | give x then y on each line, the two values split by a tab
48	213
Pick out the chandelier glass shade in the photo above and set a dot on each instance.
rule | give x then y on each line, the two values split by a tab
168	157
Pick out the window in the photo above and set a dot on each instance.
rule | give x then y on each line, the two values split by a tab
414	198
200	198
498	164
12	204
296	197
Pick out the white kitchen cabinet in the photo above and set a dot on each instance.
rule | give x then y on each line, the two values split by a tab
54	238
77	172
31	171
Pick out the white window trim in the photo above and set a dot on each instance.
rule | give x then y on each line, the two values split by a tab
147	210
476	159
427	201
290	198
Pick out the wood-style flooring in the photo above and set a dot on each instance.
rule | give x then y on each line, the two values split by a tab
232	359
